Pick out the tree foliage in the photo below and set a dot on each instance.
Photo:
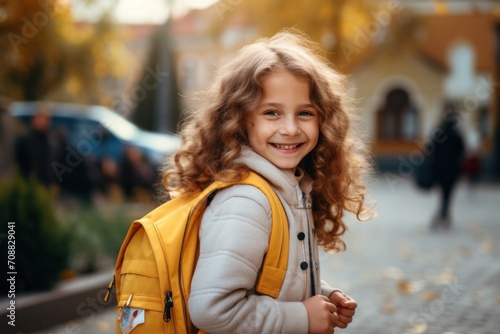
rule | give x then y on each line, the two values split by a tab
347	29
47	54
40	240
327	22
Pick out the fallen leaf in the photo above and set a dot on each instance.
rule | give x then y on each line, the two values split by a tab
404	287
429	295
419	328
388	308
446	276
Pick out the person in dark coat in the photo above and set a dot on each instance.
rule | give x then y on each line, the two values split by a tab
447	165
35	152
137	173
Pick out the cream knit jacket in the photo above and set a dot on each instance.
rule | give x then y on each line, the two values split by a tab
234	237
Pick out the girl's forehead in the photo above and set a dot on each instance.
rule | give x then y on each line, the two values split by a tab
282	82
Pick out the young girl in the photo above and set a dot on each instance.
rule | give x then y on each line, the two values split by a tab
278	109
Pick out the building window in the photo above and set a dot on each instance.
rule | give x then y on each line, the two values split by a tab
397	119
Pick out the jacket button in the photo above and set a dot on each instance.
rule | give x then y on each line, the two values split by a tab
301	236
304	265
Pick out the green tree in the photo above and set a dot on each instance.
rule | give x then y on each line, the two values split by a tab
47	54
159	110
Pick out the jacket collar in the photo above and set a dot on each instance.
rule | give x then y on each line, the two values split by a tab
283	180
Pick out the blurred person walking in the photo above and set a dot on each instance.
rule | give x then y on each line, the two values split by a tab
472	165
34	152
447	164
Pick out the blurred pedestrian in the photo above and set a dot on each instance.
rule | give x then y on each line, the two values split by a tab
447	164
81	181
137	174
110	179
34	152
472	165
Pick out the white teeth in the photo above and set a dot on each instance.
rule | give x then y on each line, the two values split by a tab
286	147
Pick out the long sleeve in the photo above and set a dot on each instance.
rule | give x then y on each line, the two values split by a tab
234	238
326	289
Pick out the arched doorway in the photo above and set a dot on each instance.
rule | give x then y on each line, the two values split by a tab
397	119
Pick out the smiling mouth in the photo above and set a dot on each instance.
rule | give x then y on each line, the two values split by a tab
286	147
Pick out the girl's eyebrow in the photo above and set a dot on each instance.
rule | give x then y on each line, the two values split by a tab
275	104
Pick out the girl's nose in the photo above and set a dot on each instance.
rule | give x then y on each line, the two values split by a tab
289	126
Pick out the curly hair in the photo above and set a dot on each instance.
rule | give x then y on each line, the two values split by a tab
214	131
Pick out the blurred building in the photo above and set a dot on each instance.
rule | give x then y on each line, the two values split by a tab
403	87
204	37
405	90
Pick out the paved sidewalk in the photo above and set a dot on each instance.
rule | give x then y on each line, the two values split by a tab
409	279
405	277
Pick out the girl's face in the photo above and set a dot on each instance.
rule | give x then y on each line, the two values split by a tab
284	127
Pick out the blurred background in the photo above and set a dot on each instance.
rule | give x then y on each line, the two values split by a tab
91	92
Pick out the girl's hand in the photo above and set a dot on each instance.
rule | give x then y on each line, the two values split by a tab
346	307
321	314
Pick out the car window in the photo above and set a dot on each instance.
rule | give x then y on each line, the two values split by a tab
89	137
66	123
78	127
86	128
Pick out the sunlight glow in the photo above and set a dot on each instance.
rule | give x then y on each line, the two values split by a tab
154	11
133	11
141	12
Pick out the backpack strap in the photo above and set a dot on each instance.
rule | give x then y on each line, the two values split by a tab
275	261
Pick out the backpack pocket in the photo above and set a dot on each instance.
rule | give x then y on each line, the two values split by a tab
140	290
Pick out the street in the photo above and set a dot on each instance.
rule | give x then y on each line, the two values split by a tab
405	277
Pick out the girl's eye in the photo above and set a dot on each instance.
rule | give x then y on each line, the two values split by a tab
271	113
306	113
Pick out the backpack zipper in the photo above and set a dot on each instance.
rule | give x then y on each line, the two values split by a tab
109	288
169	303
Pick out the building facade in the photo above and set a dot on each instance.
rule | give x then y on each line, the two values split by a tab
403	89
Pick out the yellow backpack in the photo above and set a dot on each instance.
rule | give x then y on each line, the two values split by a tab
158	256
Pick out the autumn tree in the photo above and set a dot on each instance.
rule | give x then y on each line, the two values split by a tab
47	54
347	29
